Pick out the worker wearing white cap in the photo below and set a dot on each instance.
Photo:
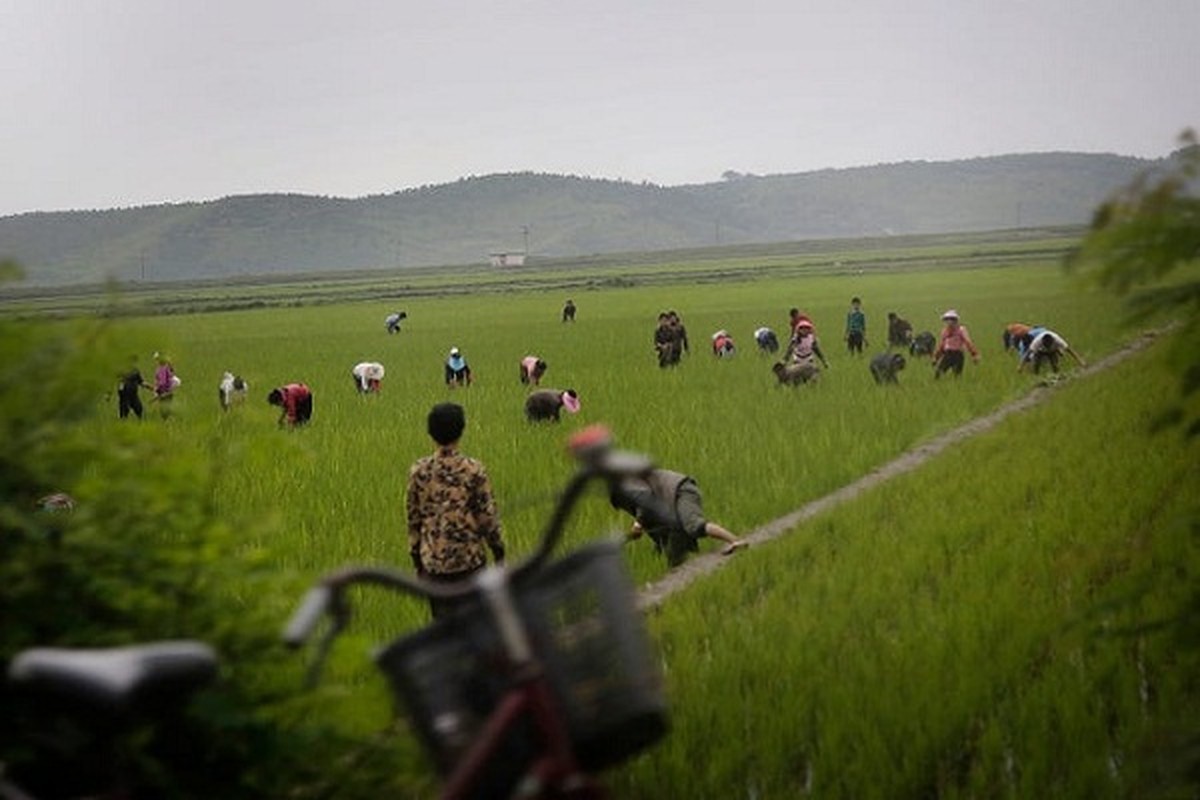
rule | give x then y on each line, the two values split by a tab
368	376
948	355
458	373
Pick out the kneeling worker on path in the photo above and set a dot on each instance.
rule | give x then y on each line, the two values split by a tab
667	505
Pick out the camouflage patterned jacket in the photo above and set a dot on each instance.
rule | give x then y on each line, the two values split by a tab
451	514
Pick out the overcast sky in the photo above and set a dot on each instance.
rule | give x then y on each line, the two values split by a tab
130	102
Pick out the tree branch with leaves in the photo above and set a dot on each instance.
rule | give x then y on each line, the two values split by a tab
1144	244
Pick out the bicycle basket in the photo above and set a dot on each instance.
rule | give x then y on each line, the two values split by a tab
449	676
583	623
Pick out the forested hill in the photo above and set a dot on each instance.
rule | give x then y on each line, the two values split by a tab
465	221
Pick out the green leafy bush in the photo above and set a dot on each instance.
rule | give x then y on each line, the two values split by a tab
141	556
1144	244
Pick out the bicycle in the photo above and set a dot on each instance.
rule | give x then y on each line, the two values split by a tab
543	678
505	693
89	700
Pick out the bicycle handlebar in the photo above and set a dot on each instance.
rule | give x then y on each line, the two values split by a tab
591	447
304	621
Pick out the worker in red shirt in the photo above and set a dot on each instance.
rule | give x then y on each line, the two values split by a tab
296	401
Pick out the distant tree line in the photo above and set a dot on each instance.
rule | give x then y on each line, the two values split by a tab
462	222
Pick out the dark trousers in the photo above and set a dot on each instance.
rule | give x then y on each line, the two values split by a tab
129	402
440	607
951	360
1041	358
304	407
669	353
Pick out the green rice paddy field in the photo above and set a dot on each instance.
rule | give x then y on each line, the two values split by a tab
997	623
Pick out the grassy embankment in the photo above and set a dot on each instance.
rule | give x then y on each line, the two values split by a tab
989	625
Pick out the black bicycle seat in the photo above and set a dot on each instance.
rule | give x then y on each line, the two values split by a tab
116	679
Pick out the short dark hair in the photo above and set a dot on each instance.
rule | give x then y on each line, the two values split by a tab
446	423
275	397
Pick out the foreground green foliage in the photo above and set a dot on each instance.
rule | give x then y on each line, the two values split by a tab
143	555
1144	244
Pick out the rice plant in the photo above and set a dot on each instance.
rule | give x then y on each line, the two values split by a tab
903	645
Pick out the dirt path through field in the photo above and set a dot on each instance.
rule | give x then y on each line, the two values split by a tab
653	594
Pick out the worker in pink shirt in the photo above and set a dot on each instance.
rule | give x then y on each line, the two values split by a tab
952	343
532	370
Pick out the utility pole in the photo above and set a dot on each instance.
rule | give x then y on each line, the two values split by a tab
525	233
143	259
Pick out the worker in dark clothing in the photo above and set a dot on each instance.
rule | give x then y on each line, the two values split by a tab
547	404
667	505
127	391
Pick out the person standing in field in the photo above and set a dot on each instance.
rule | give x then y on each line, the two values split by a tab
128	386
954	341
804	349
1045	349
680	331
668	506
856	327
667	345
165	380
165	384
450	508
296	402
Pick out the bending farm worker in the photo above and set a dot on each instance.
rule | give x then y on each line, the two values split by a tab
668	506
368	376
296	400
1045	349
